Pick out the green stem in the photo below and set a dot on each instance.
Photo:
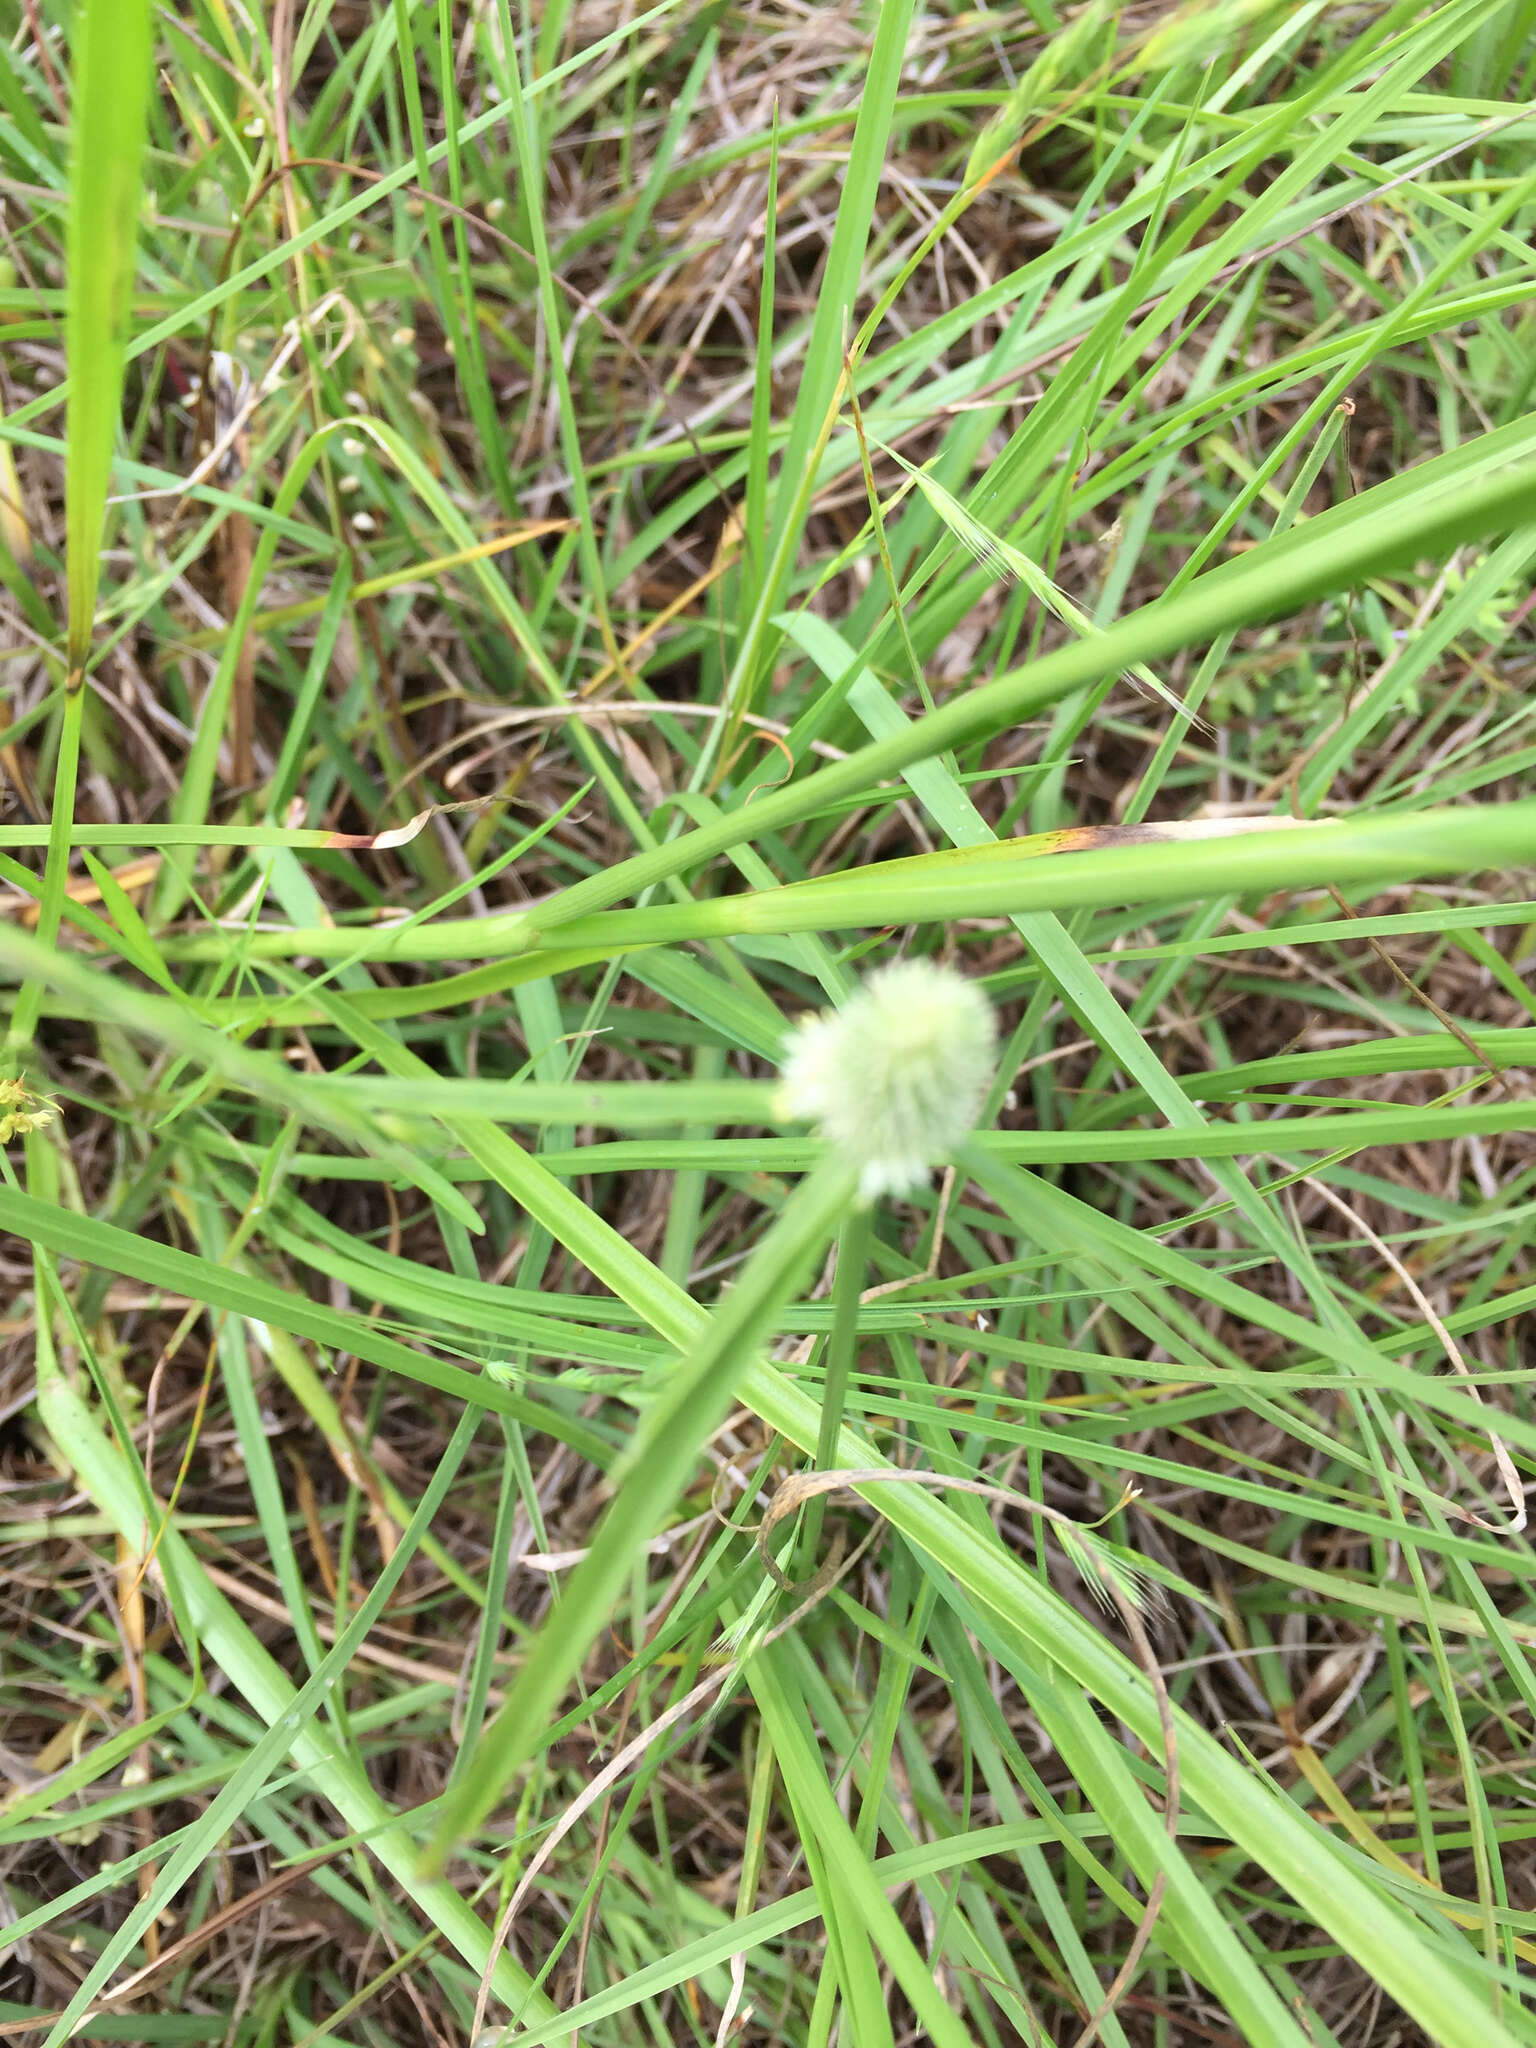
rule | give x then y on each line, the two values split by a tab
842	1350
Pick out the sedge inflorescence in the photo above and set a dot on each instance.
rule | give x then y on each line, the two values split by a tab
894	1080
21	1110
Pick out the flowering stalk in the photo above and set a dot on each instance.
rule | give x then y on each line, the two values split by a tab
894	1081
842	1349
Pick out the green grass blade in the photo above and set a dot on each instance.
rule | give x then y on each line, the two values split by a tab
654	1470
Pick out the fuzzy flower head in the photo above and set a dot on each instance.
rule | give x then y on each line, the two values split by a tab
894	1079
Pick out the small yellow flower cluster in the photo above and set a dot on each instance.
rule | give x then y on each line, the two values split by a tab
22	1111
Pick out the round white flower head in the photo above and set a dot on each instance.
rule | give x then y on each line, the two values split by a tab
896	1077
